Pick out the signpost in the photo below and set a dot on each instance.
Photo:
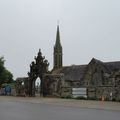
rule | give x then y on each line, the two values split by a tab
79	92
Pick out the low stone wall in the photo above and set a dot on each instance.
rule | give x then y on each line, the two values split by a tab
107	92
66	92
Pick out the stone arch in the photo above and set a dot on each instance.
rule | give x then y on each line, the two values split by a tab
38	68
37	86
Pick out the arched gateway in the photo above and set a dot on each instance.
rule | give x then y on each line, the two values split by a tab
38	69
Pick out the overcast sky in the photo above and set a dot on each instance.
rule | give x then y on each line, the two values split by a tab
88	28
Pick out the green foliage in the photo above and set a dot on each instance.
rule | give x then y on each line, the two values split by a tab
92	98
81	98
5	75
66	97
114	99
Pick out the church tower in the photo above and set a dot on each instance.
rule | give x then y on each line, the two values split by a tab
57	51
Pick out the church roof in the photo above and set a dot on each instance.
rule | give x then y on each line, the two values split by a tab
77	72
72	73
21	78
112	65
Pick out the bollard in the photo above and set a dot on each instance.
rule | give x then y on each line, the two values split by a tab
103	98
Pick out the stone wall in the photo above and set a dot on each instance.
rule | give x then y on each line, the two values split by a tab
53	84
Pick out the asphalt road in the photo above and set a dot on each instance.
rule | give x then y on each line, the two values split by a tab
22	110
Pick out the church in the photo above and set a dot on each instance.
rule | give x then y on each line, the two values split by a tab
97	78
94	80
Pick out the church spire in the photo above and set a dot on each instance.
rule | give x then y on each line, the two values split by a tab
57	51
58	37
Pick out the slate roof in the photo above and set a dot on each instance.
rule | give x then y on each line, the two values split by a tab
21	78
72	73
77	72
112	65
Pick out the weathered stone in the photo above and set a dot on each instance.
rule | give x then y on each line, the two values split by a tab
102	79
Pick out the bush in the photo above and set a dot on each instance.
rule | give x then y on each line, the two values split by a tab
92	98
113	99
81	98
66	97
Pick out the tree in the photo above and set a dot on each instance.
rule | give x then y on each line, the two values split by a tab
5	75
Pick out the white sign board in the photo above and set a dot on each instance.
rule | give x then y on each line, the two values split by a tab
79	92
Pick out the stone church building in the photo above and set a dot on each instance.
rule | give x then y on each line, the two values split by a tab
97	79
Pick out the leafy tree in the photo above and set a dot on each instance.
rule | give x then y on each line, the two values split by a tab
5	75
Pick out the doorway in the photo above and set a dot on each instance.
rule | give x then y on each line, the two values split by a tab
37	87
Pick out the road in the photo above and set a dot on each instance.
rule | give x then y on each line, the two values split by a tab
31	109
